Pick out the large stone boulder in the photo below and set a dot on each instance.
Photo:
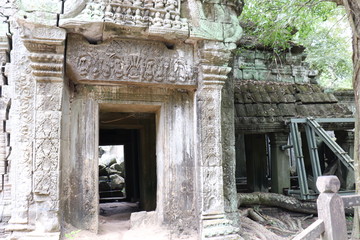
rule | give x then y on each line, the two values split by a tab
104	186
117	182
117	168
103	170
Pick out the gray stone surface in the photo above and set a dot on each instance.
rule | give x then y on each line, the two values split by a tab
264	106
170	59
330	208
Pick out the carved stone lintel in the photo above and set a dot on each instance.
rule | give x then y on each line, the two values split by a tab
124	61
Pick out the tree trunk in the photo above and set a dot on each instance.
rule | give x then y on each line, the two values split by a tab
353	10
276	200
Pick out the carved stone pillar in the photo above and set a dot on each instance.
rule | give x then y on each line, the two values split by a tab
279	163
21	116
46	54
213	73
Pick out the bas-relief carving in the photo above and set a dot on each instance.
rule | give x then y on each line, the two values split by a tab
210	132
47	154
38	120
213	73
23	153
159	16
130	61
24	91
215	20
212	193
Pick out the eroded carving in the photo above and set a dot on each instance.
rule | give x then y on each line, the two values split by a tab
210	132
130	61
159	15
24	149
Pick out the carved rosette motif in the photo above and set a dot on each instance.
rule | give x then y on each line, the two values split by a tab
129	62
213	73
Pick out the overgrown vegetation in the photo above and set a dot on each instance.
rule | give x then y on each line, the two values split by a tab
320	26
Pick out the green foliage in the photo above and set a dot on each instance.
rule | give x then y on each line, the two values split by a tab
72	235
318	25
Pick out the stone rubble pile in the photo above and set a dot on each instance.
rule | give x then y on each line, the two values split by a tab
111	179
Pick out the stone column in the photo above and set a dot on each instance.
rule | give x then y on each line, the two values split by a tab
21	128
213	73
45	47
279	163
228	145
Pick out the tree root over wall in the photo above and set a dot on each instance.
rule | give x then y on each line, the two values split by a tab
256	224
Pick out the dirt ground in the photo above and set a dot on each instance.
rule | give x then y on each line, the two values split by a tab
114	224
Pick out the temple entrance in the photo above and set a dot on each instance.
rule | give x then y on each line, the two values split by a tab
127	168
156	129
128	172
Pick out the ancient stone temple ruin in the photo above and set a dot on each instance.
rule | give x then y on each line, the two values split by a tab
70	69
269	93
152	75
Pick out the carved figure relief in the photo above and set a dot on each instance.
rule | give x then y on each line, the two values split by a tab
139	13
130	61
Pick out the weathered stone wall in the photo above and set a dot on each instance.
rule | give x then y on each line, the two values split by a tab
265	65
346	97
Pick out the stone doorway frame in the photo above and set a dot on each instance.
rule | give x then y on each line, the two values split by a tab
86	109
136	132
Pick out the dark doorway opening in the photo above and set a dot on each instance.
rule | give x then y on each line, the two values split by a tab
136	132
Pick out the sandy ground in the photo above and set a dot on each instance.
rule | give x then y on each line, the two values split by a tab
114	224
